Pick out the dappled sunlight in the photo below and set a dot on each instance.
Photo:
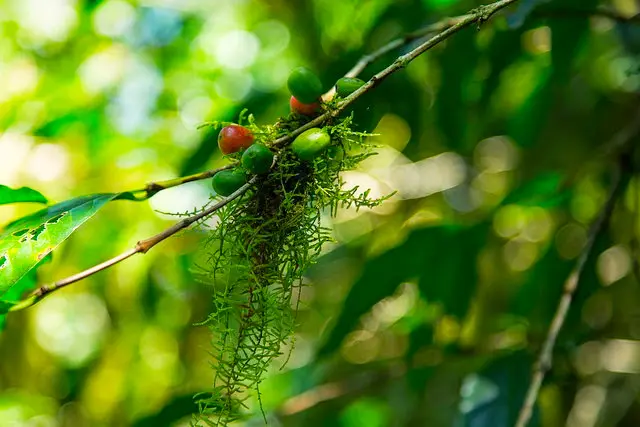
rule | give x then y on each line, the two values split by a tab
71	328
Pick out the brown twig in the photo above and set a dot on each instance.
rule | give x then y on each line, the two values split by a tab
622	144
142	247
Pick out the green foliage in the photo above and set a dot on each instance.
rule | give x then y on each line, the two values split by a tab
20	195
544	190
419	258
25	242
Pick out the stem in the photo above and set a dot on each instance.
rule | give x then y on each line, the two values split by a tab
544	361
622	144
155	187
141	247
442	25
478	15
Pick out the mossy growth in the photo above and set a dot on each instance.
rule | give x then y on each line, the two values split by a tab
258	252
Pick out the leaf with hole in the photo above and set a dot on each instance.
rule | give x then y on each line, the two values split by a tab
26	241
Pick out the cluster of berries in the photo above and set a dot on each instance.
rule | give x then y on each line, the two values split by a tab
306	91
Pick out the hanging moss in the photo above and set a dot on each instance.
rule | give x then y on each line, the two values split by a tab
264	242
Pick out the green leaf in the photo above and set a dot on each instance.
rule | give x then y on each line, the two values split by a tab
504	50
443	259
25	242
5	306
544	190
458	62
449	277
527	124
567	36
13	296
20	195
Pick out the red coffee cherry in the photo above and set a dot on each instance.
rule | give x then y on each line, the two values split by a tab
234	138
304	109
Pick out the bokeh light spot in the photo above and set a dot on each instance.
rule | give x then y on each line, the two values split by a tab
613	264
71	327
237	49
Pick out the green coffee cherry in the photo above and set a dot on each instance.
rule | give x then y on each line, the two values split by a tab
257	159
347	85
228	181
310	143
304	85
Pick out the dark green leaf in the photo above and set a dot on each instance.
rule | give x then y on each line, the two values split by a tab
567	35
434	256
528	123
504	50
544	190
493	397
4	309
538	296
20	195
25	242
458	64
449	276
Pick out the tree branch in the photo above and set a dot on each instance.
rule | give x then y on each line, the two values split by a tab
624	142
476	16
152	188
442	25
141	247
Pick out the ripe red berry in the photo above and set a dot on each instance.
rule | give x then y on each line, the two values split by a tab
234	138
304	109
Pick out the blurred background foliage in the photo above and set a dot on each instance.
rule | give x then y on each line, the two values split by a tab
428	310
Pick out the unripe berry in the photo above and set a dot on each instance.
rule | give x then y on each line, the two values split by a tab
257	159
304	85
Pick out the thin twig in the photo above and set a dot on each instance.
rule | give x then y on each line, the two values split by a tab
141	247
152	188
394	44
443	24
478	15
622	143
